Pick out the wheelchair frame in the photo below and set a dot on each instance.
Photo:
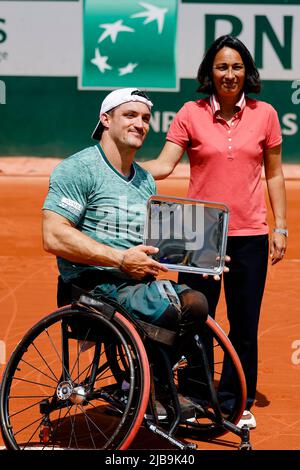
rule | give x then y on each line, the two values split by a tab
93	388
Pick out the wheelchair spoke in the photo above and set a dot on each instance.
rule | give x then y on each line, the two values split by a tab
34	432
88	426
57	353
78	354
39	370
35	383
87	370
93	423
45	362
72	419
60	421
103	375
30	396
25	409
40	418
112	404
78	363
54	435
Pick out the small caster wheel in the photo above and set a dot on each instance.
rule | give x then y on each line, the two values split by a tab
245	446
191	446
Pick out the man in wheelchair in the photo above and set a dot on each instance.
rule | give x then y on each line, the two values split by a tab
93	220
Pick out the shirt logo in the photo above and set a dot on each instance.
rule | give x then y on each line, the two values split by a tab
72	206
133	45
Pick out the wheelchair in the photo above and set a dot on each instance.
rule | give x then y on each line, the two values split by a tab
83	378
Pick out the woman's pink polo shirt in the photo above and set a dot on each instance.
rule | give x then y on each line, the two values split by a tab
226	158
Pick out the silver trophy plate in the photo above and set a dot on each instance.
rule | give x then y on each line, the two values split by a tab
191	235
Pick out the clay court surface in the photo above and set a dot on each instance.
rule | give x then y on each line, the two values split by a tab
28	292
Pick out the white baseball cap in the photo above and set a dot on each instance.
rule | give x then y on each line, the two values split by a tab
116	98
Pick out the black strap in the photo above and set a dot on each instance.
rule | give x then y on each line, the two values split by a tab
101	307
157	333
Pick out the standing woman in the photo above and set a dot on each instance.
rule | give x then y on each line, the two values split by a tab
228	138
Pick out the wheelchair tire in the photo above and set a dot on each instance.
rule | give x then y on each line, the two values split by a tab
207	424
59	392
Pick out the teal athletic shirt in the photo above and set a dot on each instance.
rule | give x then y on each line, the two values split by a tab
110	208
102	203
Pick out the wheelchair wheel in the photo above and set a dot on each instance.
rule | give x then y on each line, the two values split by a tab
208	423
60	392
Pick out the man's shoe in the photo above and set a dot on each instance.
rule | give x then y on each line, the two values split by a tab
248	419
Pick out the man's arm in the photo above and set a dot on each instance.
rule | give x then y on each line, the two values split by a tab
163	166
61	238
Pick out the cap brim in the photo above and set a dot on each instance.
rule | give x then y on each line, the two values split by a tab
97	133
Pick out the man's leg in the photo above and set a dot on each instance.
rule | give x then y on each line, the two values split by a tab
207	286
211	289
187	322
192	379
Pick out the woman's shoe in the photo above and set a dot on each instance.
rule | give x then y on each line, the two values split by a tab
247	418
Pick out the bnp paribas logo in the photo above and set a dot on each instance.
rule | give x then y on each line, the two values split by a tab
129	43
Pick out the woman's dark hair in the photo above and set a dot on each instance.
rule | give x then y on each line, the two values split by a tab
252	80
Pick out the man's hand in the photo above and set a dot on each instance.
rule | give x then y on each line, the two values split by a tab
138	264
